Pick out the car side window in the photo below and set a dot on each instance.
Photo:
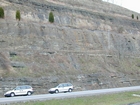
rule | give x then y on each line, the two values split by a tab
65	85
69	85
28	87
22	87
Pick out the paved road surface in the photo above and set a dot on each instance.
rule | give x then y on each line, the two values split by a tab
8	100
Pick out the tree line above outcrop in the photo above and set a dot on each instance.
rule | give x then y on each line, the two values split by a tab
18	15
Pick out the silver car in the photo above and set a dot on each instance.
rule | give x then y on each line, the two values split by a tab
63	87
20	90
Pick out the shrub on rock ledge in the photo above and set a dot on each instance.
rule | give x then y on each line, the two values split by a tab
132	16
51	17
18	15
1	12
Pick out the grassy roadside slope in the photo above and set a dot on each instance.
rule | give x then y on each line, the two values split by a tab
124	98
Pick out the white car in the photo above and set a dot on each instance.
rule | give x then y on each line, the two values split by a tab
20	90
63	87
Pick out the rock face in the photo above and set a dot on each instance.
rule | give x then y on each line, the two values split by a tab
90	44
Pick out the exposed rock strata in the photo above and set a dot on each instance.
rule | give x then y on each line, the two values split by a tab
89	44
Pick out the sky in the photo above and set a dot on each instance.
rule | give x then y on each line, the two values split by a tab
133	5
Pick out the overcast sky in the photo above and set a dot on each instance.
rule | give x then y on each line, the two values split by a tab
133	5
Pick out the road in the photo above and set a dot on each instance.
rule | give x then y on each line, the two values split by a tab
8	100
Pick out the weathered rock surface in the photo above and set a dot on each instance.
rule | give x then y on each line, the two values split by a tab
90	44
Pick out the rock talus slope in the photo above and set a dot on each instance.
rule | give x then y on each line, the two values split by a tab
91	44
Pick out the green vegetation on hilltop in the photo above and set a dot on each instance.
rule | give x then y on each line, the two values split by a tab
132	16
18	15
1	12
51	17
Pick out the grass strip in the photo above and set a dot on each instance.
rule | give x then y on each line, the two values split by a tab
123	98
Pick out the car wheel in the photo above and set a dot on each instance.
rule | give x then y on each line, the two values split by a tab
12	94
70	90
29	93
56	91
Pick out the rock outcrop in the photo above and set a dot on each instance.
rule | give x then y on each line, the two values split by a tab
91	44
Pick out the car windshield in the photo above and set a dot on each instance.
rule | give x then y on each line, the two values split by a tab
56	86
60	85
17	88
